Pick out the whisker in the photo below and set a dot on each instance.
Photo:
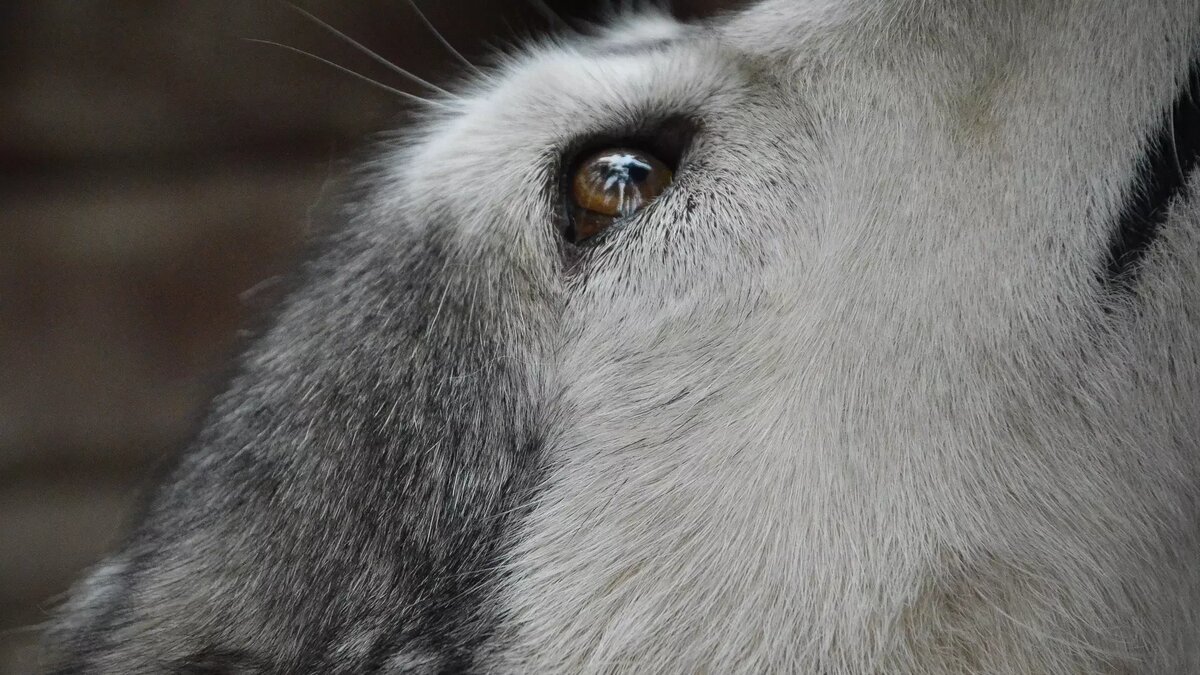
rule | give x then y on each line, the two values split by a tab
1175	148
367	51
364	78
440	38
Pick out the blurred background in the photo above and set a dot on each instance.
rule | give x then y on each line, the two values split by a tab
158	173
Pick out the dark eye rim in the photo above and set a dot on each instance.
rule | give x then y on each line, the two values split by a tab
669	139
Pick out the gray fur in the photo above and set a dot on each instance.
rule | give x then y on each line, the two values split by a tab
341	505
853	396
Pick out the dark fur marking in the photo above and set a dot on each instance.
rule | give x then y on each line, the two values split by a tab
214	662
348	497
1169	159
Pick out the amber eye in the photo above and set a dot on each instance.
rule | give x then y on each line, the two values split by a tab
613	184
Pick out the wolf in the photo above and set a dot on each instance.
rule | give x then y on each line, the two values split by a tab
891	366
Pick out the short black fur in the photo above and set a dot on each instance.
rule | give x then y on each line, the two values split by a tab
1162	175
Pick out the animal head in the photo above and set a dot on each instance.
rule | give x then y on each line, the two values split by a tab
840	337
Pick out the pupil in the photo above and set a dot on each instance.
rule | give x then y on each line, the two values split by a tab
624	168
638	172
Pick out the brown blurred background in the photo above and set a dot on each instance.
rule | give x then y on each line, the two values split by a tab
157	174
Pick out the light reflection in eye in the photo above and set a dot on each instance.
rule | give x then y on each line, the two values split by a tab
612	184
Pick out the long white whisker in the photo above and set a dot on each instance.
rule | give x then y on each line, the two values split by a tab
440	38
364	78
1175	146
367	51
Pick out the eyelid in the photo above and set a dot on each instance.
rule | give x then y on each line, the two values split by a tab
668	139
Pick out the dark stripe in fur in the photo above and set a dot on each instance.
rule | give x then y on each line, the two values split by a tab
343	506
1169	159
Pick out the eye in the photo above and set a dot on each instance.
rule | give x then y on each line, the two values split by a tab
612	184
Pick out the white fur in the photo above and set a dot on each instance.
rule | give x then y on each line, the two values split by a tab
845	399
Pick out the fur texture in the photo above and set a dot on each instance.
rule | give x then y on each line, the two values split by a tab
863	392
